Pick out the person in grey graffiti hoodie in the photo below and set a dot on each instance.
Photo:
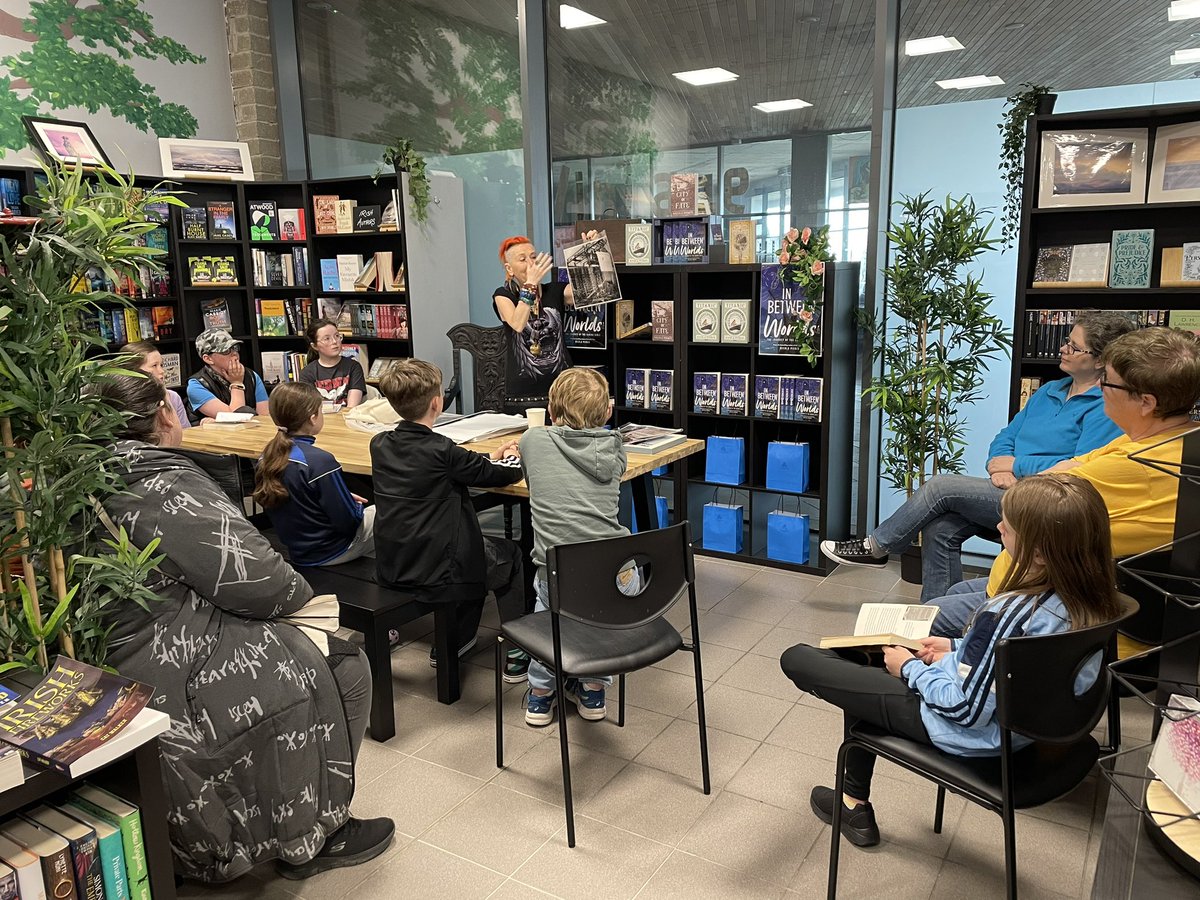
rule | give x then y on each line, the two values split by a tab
573	468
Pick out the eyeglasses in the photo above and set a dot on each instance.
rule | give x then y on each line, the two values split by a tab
1072	349
1104	383
330	339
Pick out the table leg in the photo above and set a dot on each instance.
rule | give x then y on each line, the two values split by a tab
445	632
383	714
644	507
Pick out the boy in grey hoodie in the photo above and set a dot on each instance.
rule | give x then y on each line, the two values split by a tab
573	468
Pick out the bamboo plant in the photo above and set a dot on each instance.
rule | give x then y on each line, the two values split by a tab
56	435
935	338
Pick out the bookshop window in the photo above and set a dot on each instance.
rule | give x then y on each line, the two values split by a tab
756	182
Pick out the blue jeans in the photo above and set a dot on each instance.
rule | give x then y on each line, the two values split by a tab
541	676
957	607
945	511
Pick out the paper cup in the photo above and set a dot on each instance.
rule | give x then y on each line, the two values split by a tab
536	416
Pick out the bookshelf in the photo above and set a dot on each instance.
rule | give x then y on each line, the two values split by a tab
1174	223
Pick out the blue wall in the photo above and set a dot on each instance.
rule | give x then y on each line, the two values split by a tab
954	149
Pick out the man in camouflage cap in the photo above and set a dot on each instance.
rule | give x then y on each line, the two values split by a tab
224	384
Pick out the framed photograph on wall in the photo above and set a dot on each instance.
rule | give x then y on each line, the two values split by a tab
216	160
1093	168
1175	173
59	141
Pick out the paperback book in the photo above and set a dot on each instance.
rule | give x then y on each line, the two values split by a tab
264	220
706	321
735	321
325	213
662	318
1180	266
195	223
662	389
683	194
887	624
742	241
1131	258
221	225
639	241
782	310
706	388
586	329
637	385
733	393
649	438
125	816
766	396
344	216
291	225
215	313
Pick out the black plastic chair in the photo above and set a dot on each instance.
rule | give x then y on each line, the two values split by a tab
592	629
233	474
1035	697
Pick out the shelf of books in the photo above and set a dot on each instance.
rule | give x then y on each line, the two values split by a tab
1121	233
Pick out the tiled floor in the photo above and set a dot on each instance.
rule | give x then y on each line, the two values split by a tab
467	829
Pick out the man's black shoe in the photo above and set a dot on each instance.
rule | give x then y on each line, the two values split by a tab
858	824
356	842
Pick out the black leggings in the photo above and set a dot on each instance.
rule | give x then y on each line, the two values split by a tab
353	676
864	694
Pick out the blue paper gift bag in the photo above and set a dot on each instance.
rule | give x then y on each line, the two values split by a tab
787	536
725	460
787	467
723	527
660	503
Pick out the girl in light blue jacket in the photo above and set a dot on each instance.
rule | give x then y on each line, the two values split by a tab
1056	529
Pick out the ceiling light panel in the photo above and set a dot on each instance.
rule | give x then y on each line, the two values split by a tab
573	17
1185	57
706	76
770	106
937	44
1184	9
973	81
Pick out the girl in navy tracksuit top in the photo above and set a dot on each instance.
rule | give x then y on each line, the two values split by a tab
1056	528
301	486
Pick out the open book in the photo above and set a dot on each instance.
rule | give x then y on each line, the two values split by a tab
881	624
480	425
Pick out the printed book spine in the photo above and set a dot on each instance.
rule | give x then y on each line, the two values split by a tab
108	845
130	823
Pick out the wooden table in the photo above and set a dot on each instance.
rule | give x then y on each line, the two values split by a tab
351	448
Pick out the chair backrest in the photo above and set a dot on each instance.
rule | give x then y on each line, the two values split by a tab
487	349
228	470
583	577
1035	680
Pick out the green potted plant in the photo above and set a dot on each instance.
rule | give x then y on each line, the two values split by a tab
55	461
403	157
1031	99
934	340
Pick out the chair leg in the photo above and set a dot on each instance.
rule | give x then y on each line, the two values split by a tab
1010	852
499	703
621	702
1114	720
835	838
941	808
566	758
701	720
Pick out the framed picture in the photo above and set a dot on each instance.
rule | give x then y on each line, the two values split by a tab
1093	168
66	142
1175	174
216	160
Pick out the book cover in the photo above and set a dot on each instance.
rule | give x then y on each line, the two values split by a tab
766	396
662	389
1131	256
108	846
1089	265
221	226
1191	262
74	710
291	225
624	318
636	387
224	270
158	239
381	365
781	310
8	883
706	321
683	194
706	392
264	220
10	195
662	318
879	624
390	220
693	238
743	241
85	849
358	353
349	265
195	223
1053	267
1186	320
329	275
325	213
733	394
366	218
54	857
585	329
592	272
735	321
808	399
344	216
397	328
274	366
200	270
26	866
125	816
273	316
639	244
216	314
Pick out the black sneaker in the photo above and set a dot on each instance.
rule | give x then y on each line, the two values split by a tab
516	666
853	553
356	842
462	651
858	824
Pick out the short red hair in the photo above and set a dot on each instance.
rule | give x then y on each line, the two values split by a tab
509	242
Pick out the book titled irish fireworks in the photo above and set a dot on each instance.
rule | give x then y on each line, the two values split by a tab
75	710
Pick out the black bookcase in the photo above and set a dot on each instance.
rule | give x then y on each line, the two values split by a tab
1173	224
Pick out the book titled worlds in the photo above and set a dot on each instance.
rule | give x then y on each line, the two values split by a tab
79	711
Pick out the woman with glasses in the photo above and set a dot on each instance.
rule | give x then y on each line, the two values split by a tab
337	378
1063	419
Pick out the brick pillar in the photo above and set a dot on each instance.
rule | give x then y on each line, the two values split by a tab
252	74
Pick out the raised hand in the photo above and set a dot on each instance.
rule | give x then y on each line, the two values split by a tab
538	269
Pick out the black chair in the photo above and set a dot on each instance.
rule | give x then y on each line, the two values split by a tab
233	474
592	629
1035	697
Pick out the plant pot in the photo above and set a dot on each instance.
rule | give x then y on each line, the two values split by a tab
1045	104
910	565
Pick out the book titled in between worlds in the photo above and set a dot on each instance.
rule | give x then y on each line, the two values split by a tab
75	710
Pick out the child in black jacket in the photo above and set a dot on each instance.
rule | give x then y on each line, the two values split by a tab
427	537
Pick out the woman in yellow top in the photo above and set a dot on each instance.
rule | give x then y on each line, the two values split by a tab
1151	383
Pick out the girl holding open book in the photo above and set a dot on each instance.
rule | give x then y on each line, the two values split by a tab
1056	529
